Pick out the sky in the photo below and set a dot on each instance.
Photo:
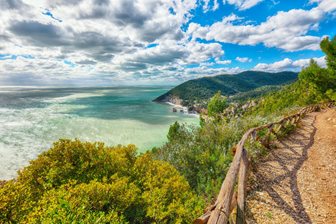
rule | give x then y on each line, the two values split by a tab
156	42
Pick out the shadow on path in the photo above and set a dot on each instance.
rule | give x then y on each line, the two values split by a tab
277	173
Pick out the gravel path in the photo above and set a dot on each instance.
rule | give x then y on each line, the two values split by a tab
296	182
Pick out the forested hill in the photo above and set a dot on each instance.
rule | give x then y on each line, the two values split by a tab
206	87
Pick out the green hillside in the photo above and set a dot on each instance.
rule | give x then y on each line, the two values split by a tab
206	87
254	93
82	182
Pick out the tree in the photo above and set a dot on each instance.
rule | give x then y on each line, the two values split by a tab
329	48
175	131
217	104
322	80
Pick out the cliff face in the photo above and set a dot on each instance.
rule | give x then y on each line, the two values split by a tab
168	98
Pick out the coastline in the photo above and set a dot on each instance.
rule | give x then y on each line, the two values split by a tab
179	107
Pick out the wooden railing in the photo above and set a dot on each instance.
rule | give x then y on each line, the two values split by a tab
228	198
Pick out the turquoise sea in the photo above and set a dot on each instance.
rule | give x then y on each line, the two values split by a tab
31	119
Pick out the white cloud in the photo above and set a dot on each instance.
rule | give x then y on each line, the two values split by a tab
231	18
206	5
288	64
102	38
223	62
216	5
201	52
205	71
109	40
243	60
209	5
285	30
327	5
169	54
311	2
243	4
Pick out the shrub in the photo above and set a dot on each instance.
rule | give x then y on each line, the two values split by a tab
82	182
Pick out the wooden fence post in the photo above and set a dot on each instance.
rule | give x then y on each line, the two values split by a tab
226	200
220	215
242	188
268	135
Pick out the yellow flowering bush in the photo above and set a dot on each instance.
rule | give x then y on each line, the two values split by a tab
82	182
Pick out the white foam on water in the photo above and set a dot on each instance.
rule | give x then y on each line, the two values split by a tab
73	97
25	133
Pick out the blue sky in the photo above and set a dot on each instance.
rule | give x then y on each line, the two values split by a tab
137	42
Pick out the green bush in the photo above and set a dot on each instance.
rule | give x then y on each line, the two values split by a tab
81	182
203	154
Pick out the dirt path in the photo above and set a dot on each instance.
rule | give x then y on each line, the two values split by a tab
297	180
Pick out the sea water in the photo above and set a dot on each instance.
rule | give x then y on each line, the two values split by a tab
31	119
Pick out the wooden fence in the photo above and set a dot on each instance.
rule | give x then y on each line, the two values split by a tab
228	198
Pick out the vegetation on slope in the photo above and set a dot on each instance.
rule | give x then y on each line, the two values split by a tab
315	85
204	154
252	94
76	182
203	88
